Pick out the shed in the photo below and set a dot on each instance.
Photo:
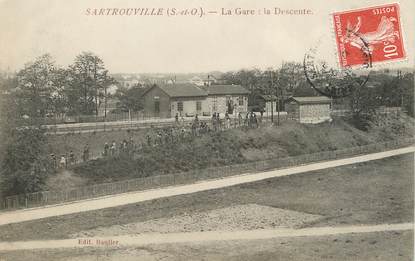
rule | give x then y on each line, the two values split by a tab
309	109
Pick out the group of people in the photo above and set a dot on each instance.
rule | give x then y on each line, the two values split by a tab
251	120
162	136
124	148
168	135
68	158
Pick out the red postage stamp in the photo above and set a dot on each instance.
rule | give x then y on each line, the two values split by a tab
370	35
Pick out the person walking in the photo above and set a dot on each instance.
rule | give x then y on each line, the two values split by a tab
62	162
85	155
255	120
53	159
130	146
71	158
176	118
159	138
148	138
113	148
214	121
106	149
218	122
246	123
227	121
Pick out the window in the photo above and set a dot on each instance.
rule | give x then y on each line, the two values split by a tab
157	106
241	100
198	105
180	106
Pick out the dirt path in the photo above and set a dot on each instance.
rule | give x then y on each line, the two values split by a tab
156	238
134	197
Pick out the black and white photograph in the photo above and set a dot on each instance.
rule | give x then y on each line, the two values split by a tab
207	130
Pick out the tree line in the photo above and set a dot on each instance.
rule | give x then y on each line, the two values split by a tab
39	89
384	88
42	88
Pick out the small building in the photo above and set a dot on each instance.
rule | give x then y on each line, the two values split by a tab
309	109
209	80
227	98
128	81
166	100
196	80
187	99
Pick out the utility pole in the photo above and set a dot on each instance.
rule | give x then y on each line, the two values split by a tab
278	106
278	103
105	102
399	76
270	91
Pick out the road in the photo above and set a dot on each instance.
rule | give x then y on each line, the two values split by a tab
134	197
190	237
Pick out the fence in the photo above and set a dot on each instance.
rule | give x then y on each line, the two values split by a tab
119	116
88	192
139	124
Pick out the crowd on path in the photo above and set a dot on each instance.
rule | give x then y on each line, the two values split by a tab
180	132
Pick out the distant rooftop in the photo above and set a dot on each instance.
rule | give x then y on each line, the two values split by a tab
311	99
191	90
226	89
182	90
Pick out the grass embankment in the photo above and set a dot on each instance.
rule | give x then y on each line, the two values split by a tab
375	192
227	147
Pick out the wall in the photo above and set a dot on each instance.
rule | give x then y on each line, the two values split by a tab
314	113
189	106
149	101
221	105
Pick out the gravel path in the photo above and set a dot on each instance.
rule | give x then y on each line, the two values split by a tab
208	236
239	217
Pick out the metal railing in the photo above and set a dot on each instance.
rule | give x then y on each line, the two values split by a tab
156	181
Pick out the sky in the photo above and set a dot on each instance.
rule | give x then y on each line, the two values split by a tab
144	44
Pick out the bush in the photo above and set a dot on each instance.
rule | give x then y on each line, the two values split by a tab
25	166
361	122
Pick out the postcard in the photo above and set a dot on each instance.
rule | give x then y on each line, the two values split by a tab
207	130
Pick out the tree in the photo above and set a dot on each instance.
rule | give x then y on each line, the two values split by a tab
34	86
407	93
363	103
89	79
25	167
23	150
304	89
9	114
129	98
246	78
60	102
289	76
